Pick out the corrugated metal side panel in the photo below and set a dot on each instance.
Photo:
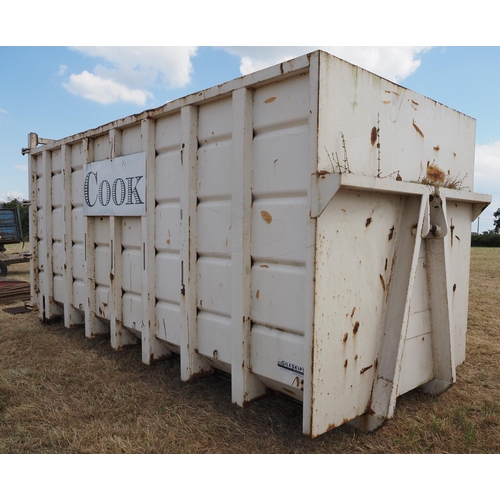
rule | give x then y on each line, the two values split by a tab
213	232
97	252
33	225
279	218
75	234
225	236
277	277
47	220
167	235
80	270
129	255
57	222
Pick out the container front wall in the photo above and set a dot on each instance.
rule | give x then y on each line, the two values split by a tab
390	299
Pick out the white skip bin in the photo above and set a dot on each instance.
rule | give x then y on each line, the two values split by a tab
305	228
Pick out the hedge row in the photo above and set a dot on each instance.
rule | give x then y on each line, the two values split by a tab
489	239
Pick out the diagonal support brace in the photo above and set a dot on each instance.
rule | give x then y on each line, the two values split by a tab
443	351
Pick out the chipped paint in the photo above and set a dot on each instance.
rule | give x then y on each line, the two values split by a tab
415	126
266	216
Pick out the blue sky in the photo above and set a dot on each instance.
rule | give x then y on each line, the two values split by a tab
58	91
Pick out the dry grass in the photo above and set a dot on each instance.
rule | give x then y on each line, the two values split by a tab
63	393
437	178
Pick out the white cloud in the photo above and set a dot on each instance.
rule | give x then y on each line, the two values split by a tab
62	69
487	170
129	74
105	91
24	168
9	195
393	63
4	111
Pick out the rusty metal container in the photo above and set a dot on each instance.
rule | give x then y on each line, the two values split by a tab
305	228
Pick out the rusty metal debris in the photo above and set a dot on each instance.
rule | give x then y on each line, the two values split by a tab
18	309
14	291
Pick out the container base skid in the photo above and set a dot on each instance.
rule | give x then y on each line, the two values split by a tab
263	228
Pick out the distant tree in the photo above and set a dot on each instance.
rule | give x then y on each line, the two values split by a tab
496	223
23	213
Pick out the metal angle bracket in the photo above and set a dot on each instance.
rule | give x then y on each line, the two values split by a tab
431	229
443	350
324	186
435	222
33	142
397	317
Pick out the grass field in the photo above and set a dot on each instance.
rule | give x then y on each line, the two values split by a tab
63	393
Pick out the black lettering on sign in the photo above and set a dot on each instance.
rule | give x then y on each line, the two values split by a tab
117	193
286	365
104	185
115	187
86	189
123	191
132	191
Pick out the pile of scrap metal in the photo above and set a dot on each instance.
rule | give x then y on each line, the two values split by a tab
14	291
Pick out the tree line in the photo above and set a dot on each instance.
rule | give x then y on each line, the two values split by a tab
489	238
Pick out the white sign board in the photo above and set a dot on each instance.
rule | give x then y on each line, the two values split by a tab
115	187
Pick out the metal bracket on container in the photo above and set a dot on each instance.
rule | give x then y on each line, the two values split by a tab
33	142
435	222
323	188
